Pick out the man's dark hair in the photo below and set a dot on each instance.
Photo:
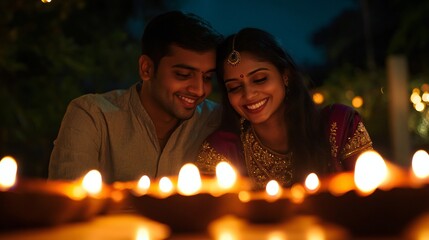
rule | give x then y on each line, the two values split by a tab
185	30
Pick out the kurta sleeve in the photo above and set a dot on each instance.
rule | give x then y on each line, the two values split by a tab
76	149
347	135
220	146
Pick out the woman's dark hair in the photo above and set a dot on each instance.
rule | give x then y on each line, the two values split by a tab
186	30
306	132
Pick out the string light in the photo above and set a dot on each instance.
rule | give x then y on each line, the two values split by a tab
357	102
318	98
419	98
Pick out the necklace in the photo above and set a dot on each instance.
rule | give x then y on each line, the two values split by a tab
262	163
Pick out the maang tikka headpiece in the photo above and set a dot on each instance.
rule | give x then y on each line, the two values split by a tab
234	57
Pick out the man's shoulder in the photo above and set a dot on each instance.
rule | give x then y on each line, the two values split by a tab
110	96
108	101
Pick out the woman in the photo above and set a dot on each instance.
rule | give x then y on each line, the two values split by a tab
271	129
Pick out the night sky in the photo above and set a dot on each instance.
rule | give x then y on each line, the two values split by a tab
291	21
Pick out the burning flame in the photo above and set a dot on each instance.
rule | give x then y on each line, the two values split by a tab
92	182
189	180
225	175
312	183
420	164
142	233
341	183
227	234
370	172
143	185
273	188
276	235
8	169
297	193
316	233
244	196
165	185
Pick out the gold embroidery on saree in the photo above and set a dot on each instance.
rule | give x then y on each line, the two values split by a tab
264	164
332	139
208	158
359	142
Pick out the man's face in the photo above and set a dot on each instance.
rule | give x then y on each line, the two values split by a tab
182	80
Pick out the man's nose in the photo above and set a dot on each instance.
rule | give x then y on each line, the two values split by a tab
197	86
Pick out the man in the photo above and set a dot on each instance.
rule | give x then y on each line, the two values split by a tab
158	124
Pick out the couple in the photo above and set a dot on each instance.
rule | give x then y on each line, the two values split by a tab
267	127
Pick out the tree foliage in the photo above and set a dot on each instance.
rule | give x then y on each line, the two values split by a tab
50	54
393	27
356	45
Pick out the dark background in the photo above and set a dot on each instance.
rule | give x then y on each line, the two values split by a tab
53	52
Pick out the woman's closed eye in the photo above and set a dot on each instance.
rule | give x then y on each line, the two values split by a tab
260	80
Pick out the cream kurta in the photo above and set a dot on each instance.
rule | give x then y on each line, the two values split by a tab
113	133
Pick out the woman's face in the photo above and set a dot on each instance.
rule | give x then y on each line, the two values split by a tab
256	89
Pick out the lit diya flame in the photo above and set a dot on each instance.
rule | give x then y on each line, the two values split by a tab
225	175
297	193
341	183
92	182
8	169
273	189
420	164
189	180
315	232
143	185
370	172
165	185
312	183
142	233
244	196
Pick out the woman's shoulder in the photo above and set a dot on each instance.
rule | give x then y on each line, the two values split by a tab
337	108
219	146
347	134
340	114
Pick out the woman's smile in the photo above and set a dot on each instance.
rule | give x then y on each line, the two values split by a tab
256	106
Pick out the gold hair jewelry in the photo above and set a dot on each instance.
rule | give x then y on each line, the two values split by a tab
234	57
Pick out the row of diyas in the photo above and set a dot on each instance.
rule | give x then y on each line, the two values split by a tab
188	202
40	202
378	197
28	202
